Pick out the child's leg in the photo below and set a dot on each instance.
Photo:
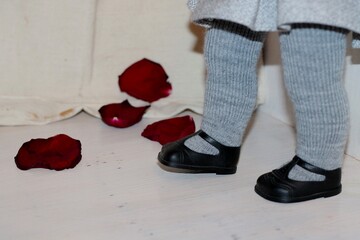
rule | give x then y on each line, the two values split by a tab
314	58
231	55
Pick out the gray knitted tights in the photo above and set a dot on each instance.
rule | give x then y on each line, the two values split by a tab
313	60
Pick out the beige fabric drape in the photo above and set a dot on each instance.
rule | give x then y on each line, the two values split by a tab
60	57
44	57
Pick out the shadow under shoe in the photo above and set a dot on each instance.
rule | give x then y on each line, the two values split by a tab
278	187
177	155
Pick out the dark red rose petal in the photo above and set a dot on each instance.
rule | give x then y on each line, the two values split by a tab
170	130
145	80
121	115
57	153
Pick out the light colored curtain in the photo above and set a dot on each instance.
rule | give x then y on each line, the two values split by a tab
45	52
60	57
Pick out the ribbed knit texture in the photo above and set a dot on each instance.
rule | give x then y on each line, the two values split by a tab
313	59
231	55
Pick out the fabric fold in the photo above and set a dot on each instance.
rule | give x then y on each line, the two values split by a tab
274	15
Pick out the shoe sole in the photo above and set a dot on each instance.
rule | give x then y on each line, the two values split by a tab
199	169
285	199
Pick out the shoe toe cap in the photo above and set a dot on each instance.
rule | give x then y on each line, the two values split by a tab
268	186
170	154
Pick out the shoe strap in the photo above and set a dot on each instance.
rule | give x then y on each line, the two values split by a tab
213	142
310	167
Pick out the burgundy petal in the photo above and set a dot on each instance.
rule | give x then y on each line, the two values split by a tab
57	153
145	80
170	130
121	115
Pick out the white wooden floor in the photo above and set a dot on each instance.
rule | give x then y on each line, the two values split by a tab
118	191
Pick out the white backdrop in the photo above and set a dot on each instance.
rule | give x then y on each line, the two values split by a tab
58	57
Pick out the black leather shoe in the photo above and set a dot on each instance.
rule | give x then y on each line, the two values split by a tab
276	186
177	155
